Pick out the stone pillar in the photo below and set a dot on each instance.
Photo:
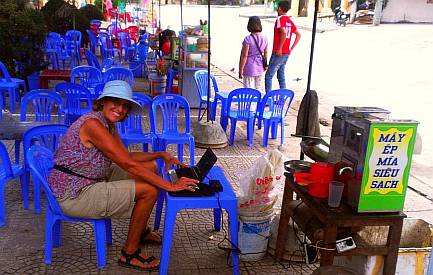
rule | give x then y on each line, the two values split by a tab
344	6
326	7
310	9
353	7
377	12
294	8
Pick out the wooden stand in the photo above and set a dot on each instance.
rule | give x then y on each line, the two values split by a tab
333	219
47	75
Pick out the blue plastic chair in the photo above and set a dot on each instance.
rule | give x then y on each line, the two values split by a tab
128	48
113	28
200	78
41	162
169	106
8	172
44	102
94	42
74	35
98	90
87	76
93	61
107	63
131	130
171	74
59	49
243	98
201	82
78	100
45	135
73	40
119	73
107	47
272	115
143	47
11	85
1	107
53	45
95	22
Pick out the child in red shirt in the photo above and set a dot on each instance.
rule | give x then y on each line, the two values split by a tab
284	28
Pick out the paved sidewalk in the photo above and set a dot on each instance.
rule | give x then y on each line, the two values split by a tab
21	245
22	239
195	243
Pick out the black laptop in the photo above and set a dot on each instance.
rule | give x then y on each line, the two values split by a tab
197	172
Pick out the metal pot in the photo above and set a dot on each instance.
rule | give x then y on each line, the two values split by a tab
315	148
297	166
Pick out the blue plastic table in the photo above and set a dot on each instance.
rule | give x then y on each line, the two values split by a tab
227	200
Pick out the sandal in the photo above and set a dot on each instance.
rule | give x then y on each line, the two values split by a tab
145	235
136	255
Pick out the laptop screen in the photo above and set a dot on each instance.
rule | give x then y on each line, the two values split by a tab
206	162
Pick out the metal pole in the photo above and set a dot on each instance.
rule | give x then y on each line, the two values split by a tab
208	62
310	69
124	14
159	14
181	15
313	38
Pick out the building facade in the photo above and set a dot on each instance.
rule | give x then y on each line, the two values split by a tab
416	11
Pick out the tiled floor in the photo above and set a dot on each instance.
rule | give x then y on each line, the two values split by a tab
194	249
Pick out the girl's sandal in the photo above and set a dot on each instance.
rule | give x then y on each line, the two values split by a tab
136	255
144	237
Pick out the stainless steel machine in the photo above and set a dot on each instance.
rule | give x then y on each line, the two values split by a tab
377	151
349	136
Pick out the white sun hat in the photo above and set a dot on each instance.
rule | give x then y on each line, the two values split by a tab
121	89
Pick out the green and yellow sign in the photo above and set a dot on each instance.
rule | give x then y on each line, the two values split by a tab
387	165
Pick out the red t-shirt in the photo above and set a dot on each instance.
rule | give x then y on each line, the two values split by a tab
289	27
165	49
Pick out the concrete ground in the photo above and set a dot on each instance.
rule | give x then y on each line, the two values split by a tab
195	243
356	65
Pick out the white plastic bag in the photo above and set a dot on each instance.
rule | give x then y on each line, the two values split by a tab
261	186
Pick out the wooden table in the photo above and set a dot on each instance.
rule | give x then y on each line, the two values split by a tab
47	75
342	217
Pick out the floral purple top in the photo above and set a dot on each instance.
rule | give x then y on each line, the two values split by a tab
89	162
254	65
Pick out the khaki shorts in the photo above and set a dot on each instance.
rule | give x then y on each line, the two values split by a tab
112	199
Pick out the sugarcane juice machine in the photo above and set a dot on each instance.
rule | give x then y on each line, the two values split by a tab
376	151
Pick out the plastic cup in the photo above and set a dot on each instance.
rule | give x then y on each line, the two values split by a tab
335	191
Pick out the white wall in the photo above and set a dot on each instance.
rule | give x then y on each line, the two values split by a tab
408	11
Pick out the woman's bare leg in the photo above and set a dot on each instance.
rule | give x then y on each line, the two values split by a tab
145	199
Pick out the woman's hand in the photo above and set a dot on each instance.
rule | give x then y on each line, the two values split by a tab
183	184
169	160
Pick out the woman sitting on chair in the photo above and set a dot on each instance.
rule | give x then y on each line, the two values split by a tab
95	176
